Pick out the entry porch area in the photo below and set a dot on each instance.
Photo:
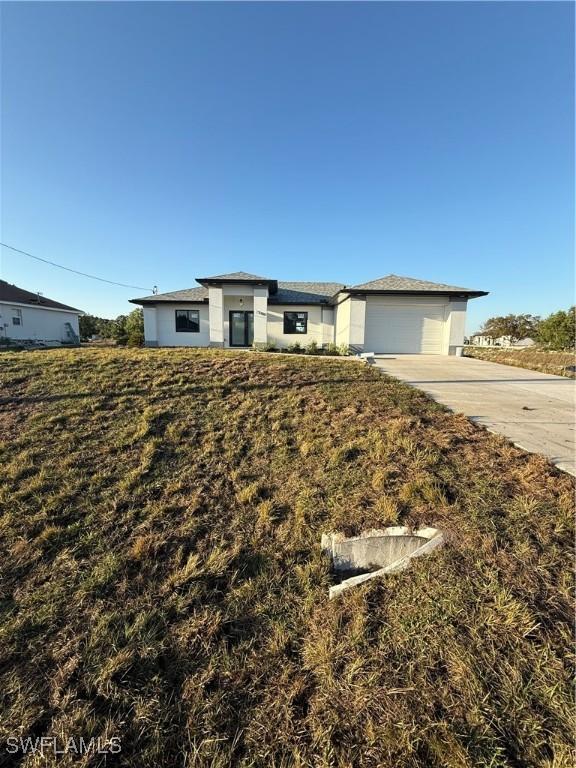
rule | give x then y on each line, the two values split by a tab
238	315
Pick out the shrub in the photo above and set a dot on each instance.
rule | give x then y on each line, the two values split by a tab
312	349
331	349
295	348
344	350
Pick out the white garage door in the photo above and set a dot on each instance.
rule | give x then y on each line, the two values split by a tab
404	327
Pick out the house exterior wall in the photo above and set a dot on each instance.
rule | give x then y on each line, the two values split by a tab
328	324
216	317
168	336
342	315
350	322
344	324
455	325
357	323
38	323
150	327
318	329
260	315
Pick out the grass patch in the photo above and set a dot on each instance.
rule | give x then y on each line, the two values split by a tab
161	578
543	360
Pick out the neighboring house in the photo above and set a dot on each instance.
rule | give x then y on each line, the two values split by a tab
479	340
392	314
31	317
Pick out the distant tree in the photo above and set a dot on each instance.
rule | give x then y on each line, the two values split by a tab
119	331
558	331
135	328
516	326
88	326
106	328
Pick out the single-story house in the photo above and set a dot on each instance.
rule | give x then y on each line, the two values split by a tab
32	317
480	340
391	314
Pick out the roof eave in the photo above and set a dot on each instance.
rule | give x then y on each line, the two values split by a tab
153	301
413	292
272	285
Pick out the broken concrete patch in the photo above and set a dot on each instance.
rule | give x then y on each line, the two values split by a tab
376	552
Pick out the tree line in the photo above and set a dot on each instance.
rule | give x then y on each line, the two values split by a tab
127	330
557	331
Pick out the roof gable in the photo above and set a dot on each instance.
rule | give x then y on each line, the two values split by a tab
400	284
235	276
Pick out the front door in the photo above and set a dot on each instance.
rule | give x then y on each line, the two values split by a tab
241	328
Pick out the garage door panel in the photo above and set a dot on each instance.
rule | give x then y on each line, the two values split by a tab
416	329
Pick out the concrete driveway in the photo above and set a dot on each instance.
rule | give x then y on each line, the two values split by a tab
534	410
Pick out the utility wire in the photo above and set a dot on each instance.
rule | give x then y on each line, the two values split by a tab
77	272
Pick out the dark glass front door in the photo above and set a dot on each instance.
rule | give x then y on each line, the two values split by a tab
241	328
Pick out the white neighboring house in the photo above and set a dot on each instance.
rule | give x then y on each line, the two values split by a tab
478	340
31	317
392	314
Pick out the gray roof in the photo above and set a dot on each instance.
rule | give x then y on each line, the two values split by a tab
313	292
304	293
9	292
398	283
187	294
236	276
288	293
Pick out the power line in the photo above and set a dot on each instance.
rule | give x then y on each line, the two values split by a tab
77	272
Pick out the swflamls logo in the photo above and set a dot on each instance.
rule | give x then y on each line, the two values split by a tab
53	745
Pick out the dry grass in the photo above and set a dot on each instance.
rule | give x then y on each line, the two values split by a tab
162	580
546	361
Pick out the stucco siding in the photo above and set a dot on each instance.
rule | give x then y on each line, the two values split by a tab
456	325
168	336
150	328
439	319
342	314
316	329
37	323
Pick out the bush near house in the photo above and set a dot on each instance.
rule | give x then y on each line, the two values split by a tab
162	579
312	348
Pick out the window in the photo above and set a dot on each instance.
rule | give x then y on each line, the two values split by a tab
295	322
16	316
188	320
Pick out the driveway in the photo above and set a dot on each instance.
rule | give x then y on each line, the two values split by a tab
534	410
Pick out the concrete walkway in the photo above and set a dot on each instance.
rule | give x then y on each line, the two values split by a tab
534	410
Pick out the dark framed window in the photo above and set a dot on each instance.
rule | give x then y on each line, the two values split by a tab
295	322
188	320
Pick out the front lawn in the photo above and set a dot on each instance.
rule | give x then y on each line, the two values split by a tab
162	581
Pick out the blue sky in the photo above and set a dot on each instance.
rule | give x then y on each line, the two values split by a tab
151	143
